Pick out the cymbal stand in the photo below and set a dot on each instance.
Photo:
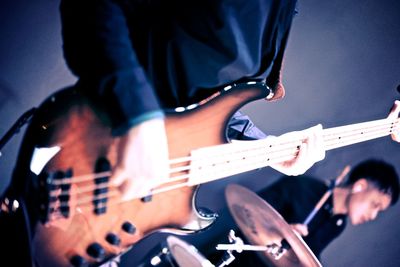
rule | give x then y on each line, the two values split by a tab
237	245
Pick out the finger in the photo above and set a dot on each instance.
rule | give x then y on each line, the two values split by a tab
160	169
118	177
317	143
395	137
305	231
120	180
303	162
393	115
300	229
129	191
394	112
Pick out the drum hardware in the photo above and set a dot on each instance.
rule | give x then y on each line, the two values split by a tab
14	219
177	253
8	205
238	245
157	259
277	251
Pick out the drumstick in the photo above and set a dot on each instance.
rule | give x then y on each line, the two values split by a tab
327	194
321	202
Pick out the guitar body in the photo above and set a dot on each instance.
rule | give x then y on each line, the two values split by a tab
80	233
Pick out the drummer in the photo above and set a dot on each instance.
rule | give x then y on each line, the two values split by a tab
371	187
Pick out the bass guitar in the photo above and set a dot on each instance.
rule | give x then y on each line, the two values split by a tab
63	172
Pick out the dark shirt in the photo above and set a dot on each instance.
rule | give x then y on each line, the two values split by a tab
240	127
139	58
294	197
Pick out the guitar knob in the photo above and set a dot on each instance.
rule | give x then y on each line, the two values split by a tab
113	239
128	227
78	261
96	251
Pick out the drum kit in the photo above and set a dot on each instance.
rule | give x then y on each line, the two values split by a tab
267	232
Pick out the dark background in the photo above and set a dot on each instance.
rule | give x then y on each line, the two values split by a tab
342	66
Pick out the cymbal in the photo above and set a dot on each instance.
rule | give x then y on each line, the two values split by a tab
262	225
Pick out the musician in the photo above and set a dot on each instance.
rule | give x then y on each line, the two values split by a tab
139	58
371	187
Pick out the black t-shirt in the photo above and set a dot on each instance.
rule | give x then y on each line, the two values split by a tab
295	197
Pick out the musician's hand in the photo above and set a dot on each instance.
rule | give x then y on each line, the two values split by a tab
312	149
142	159
300	229
394	114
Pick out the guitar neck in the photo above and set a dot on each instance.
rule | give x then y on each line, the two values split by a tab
212	163
356	133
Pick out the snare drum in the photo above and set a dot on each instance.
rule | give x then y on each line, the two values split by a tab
177	253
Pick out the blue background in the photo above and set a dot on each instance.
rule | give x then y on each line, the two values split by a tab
342	66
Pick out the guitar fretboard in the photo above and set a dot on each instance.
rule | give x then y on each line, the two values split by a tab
212	163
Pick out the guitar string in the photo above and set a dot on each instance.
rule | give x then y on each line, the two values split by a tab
91	199
104	185
342	139
173	179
